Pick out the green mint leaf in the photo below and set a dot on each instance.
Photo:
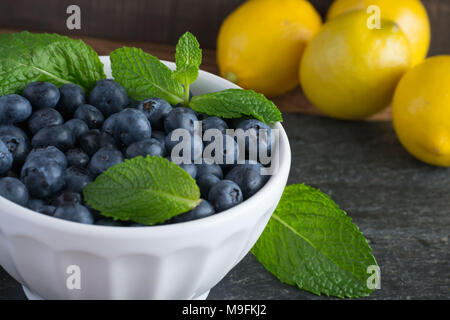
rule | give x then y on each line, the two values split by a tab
188	58
145	190
235	103
144	76
311	243
27	57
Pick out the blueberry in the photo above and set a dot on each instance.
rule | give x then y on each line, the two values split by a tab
253	128
42	176
131	126
66	198
49	153
180	118
14	190
14	109
40	206
75	213
159	135
225	195
78	128
156	110
77	158
205	182
93	140
203	210
76	179
6	158
103	159
108	222
60	137
12	130
71	96
17	145
194	141
248	177
214	123
189	168
42	94
46	117
225	153
147	147
91	115
109	97
213	168
109	124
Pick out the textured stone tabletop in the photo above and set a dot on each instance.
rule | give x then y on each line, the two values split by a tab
401	205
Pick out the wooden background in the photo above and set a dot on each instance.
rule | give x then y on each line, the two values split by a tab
155	25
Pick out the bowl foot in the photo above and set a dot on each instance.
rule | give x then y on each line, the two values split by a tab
30	295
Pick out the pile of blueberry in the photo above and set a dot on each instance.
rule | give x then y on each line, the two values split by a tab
54	142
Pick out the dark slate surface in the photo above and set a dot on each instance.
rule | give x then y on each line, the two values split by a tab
400	204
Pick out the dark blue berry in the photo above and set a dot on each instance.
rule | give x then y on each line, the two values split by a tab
203	210
108	222
109	97
78	128
60	137
14	109
225	195
180	118
75	213
262	142
76	179
40	206
77	158
14	190
213	168
248	177
205	182
71	96
13	130
49	153
159	135
93	140
189	168
91	115
42	177
66	197
6	158
156	110
225	153
147	147
214	123
109	124
17	145
46	117
103	159
131	126
42	94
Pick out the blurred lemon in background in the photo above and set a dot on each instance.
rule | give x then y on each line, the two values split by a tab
260	44
410	15
350	71
421	111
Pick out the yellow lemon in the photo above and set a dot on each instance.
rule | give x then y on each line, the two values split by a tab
349	71
421	111
410	15
260	44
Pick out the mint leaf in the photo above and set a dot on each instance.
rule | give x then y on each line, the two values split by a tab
235	103
145	190
26	57
311	243
144	76
188	58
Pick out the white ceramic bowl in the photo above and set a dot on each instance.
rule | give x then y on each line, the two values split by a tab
180	261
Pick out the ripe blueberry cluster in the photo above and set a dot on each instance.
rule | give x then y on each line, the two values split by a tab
54	142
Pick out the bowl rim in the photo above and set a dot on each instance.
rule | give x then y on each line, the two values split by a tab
246	206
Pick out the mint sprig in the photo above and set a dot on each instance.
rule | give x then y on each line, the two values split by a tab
188	57
311	243
27	57
145	190
144	76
